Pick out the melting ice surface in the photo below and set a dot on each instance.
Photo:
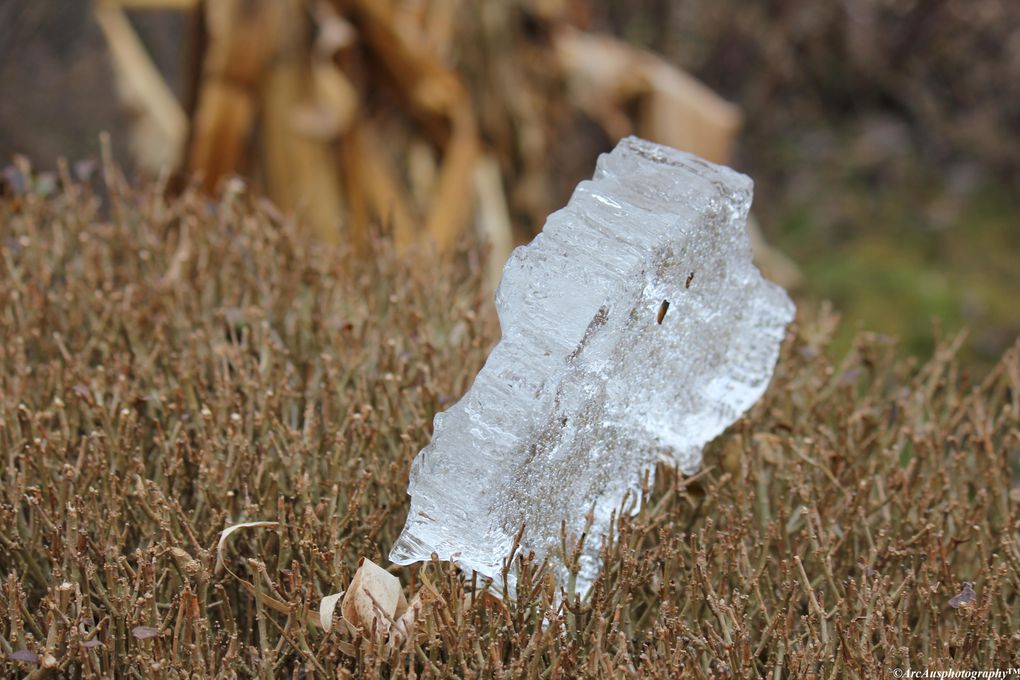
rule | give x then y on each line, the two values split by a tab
635	330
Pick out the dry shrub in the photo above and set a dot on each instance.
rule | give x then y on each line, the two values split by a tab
172	368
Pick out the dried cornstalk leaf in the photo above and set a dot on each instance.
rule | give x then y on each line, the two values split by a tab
774	263
244	35
300	169
242	39
334	101
441	104
433	90
221	126
495	226
155	4
450	211
334	32
297	127
606	77
371	178
160	125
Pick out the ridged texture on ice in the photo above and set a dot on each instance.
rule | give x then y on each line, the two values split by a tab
587	389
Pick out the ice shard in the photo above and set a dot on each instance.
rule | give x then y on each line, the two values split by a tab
635	330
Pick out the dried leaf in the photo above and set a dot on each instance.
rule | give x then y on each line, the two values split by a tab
965	598
268	600
84	169
403	628
26	655
145	632
374	599
326	608
16	181
231	529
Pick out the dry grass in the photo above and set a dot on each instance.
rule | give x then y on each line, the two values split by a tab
169	369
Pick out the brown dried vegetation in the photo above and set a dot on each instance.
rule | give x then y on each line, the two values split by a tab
172	368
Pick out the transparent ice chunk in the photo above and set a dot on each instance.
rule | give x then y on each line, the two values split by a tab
635	330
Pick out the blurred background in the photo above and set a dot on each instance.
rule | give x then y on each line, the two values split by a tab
883	135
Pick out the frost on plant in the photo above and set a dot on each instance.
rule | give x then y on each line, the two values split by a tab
635	329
